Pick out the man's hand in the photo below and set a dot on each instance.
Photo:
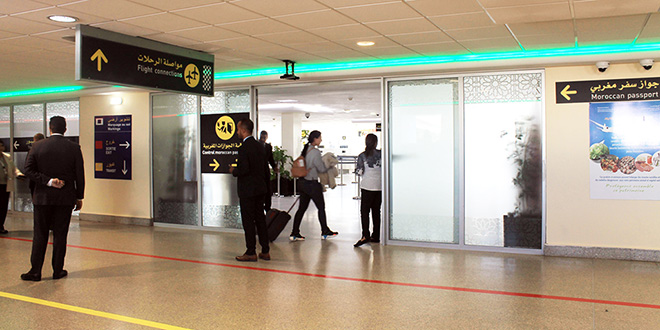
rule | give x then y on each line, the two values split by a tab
57	183
78	205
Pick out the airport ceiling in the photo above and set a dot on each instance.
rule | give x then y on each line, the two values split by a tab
253	34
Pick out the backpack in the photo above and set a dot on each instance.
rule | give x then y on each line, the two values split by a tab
299	168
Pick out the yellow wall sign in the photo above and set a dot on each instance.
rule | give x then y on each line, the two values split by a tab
219	142
191	75
225	127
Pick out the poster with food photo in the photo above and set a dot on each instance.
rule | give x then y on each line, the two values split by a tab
624	150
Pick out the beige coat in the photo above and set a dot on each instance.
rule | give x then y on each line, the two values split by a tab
12	171
328	178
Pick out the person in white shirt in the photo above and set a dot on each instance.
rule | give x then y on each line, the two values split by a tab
369	169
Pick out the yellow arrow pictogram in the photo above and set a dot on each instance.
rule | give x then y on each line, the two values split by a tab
215	165
101	57
565	92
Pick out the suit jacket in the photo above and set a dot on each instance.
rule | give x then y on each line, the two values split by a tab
56	157
269	154
12	171
252	170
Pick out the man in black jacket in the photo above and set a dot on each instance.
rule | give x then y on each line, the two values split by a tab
253	176
56	166
268	148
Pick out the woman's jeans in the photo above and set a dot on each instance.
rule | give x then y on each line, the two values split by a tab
370	201
310	190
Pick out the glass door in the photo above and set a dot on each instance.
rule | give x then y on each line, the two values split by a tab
464	161
503	160
220	205
422	124
174	158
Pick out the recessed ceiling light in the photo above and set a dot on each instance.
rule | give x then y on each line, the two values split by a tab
287	101
62	18
365	43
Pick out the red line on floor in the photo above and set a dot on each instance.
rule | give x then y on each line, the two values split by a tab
353	279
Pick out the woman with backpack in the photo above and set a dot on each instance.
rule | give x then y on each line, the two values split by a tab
311	188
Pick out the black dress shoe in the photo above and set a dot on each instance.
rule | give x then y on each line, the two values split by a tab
31	277
60	274
362	241
4	231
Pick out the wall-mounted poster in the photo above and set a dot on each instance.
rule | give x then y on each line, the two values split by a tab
112	147
624	150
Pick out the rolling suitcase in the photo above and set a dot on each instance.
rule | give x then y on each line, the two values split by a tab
276	220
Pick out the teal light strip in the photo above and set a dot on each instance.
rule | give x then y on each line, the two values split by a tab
307	68
573	51
40	91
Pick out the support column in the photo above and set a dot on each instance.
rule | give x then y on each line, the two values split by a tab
291	130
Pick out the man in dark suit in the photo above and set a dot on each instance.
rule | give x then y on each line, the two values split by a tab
56	166
253	176
268	148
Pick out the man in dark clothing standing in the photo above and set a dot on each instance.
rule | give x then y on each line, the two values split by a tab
37	137
56	166
253	176
268	148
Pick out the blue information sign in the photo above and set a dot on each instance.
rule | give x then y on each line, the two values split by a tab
112	147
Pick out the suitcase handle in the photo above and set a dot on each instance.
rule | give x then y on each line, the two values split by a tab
292	205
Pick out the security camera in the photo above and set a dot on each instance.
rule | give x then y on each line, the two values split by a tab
307	114
602	66
647	63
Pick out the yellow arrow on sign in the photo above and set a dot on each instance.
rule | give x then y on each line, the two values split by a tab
101	57
215	165
565	92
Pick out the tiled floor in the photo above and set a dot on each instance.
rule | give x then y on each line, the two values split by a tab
189	279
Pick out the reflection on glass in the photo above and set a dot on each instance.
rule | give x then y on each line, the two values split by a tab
220	207
423	154
503	165
4	131
28	120
175	152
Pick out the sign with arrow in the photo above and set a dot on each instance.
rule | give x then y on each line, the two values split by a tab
112	147
633	89
219	141
23	144
116	58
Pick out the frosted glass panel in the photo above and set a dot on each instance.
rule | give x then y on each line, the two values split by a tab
220	205
175	150
28	120
503	165
423	154
70	111
4	124
227	102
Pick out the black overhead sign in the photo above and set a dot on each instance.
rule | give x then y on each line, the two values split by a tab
635	89
115	58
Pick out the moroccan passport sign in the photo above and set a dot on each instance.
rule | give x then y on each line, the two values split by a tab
110	57
112	147
220	143
614	90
